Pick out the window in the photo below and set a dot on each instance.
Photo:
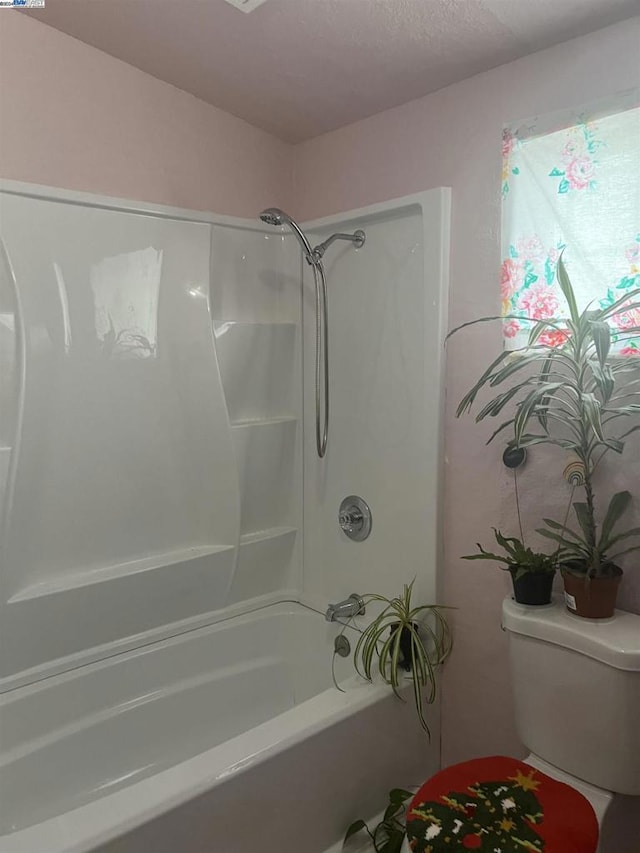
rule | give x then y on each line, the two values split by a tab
571	183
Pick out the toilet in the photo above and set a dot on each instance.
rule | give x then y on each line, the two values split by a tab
576	687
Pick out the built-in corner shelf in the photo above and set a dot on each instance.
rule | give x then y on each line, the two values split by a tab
179	559
223	327
266	458
258	422
264	535
264	563
258	365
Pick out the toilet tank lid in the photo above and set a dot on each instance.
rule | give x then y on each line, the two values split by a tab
614	641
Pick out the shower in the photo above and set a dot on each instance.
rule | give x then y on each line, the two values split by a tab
313	256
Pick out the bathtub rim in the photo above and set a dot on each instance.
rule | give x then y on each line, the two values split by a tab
104	819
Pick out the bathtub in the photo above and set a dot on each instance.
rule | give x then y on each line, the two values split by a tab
228	739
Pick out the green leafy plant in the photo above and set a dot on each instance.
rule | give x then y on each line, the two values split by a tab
388	835
400	627
588	552
573	394
517	558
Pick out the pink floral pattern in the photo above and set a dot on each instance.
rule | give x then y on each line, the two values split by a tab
510	328
511	278
625	323
539	301
631	350
567	181
580	173
578	169
632	254
553	338
527	284
626	320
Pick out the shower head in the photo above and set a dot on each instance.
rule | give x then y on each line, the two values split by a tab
275	216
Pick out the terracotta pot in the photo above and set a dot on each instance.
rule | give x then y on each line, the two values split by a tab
532	588
593	598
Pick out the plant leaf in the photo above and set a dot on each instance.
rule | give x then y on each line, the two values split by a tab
634	531
601	333
527	407
486	555
391	811
618	505
603	377
399	795
563	527
531	440
620	305
499	430
567	544
626	551
469	398
567	290
483	320
356	826
585	520
591	407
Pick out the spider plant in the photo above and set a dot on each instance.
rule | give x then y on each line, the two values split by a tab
580	399
401	626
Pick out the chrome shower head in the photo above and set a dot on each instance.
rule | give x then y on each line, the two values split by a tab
273	216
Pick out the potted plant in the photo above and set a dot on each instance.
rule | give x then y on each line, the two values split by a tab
580	398
400	643
531	572
388	835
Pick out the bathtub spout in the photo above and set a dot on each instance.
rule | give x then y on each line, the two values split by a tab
352	606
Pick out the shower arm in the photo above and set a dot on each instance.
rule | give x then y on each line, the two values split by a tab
357	238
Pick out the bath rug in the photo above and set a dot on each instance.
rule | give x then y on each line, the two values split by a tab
499	805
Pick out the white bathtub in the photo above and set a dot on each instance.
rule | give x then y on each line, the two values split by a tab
229	739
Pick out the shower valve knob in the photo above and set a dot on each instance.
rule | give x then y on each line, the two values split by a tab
354	518
351	521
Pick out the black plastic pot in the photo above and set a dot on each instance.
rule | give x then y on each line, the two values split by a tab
405	644
532	587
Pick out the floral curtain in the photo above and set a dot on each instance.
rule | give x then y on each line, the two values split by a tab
571	183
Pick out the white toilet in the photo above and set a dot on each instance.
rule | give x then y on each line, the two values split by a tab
576	685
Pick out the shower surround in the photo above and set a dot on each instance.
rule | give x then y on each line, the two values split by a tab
170	536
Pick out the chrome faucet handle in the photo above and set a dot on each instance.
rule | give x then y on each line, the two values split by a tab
351	520
354	518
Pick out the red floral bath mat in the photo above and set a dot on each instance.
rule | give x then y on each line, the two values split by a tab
499	805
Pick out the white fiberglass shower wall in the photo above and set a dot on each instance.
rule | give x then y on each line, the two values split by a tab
387	320
151	476
170	539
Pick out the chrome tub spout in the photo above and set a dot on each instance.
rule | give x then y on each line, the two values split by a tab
347	609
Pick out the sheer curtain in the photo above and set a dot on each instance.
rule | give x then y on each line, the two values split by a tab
571	182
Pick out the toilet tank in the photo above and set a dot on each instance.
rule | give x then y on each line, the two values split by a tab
576	685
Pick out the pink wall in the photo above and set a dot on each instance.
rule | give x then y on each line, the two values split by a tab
74	117
452	138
